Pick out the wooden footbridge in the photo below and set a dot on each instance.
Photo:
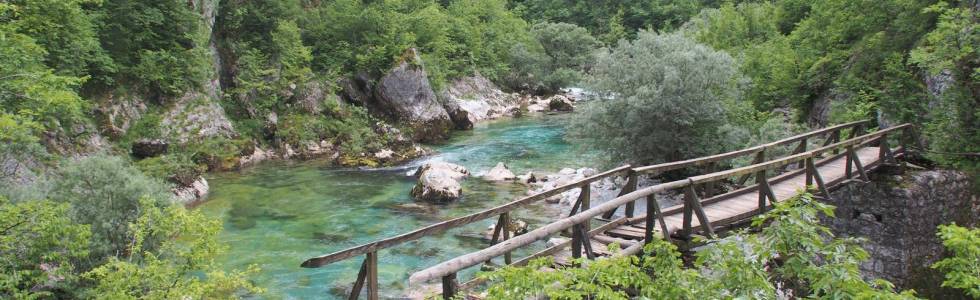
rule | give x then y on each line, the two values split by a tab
779	170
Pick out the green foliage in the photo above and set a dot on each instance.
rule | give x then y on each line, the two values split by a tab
950	53
105	192
38	247
30	89
179	265
614	20
353	131
456	39
668	96
962	268
812	263
559	56
159	45
64	29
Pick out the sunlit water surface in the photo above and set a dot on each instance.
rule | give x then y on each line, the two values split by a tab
278	214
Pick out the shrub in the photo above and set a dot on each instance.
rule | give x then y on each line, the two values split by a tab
179	264
105	192
557	58
744	266
667	100
39	243
962	268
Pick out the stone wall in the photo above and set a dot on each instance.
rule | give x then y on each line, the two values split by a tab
897	215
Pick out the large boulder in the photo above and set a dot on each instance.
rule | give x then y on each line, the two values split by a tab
561	103
439	182
144	148
499	173
196	116
470	100
404	94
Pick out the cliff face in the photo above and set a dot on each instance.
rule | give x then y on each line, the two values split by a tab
897	216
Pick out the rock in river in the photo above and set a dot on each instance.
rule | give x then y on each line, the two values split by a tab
439	182
499	173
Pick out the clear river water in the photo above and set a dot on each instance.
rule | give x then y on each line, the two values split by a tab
278	214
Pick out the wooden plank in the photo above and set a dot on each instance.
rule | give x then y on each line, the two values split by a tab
372	275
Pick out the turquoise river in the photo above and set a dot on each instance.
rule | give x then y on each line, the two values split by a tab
278	214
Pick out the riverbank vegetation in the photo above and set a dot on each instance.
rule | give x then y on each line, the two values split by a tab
207	85
791	255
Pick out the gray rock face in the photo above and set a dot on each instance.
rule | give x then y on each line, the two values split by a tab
897	216
194	192
145	148
474	99
499	173
404	94
195	116
118	113
439	182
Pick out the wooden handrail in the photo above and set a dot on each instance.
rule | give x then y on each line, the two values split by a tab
453	223
670	166
468	260
472	259
772	164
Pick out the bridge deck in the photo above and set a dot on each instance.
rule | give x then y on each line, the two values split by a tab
729	207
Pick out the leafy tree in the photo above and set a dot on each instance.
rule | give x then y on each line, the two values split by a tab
667	103
180	264
962	268
105	192
39	246
952	121
30	89
567	54
158	45
64	29
742	266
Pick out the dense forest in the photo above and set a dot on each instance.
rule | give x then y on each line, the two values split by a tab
107	107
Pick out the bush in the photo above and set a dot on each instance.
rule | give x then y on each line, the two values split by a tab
105	192
39	243
557	58
962	268
179	264
667	100
793	251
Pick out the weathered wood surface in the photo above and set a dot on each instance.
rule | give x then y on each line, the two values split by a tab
721	210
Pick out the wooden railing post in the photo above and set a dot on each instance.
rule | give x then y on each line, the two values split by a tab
372	275
800	149
759	158
691	197
505	220
857	163
816	176
355	291
628	188
765	191
586	196
653	211
449	286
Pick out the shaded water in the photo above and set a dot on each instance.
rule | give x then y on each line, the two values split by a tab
278	214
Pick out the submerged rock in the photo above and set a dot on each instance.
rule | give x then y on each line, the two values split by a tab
499	173
439	182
